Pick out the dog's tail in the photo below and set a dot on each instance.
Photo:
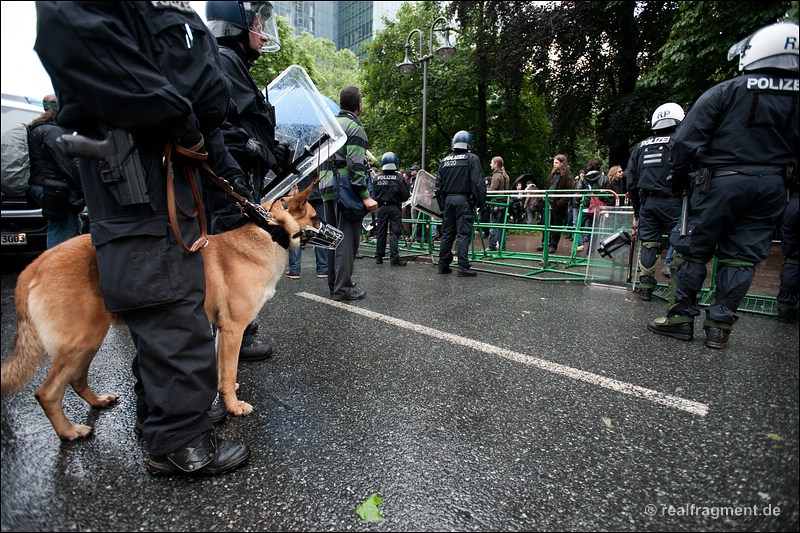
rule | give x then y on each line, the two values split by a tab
28	352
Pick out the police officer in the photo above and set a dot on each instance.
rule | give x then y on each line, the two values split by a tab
391	190
459	189
656	209
151	69
55	183
743	134
790	246
244	30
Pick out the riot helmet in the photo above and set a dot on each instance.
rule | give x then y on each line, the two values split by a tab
49	102
462	140
667	115
232	19
389	161
774	46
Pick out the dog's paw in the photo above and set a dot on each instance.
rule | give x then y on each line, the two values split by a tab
104	400
239	408
75	431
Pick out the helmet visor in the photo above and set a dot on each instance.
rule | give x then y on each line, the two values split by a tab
261	21
737	49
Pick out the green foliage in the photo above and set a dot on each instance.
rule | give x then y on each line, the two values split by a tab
529	79
514	120
333	69
699	42
270	64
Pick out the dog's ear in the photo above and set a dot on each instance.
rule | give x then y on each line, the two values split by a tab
299	199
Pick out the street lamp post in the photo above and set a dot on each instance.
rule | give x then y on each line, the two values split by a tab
446	51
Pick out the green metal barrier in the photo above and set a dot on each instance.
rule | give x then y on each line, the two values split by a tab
542	266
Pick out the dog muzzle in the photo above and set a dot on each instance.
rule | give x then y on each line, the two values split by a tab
326	236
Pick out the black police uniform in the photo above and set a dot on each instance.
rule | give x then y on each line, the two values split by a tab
55	182
743	133
655	206
459	188
390	190
251	119
150	68
790	271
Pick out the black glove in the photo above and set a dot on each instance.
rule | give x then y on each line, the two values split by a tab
679	182
283	157
189	148
255	149
241	188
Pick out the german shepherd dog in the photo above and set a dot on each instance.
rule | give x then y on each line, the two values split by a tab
60	309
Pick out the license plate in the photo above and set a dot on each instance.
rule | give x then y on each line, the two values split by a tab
13	238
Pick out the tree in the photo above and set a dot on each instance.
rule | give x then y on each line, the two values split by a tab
699	41
333	69
512	124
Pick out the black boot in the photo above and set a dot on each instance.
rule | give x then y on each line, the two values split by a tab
662	326
255	351
399	263
716	338
787	315
206	455
646	294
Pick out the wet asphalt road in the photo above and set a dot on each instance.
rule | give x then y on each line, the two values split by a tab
460	402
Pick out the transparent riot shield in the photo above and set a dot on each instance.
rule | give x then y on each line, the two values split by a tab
423	197
306	120
611	261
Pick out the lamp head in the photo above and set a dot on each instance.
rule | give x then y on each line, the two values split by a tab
407	66
447	50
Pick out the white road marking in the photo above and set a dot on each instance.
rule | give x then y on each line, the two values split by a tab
674	402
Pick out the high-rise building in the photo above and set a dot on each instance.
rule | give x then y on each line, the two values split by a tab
349	24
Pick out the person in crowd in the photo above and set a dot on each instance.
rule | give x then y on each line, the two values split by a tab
390	191
532	205
499	182
55	183
656	209
244	30
616	182
560	178
320	254
743	136
406	209
128	87
352	160
517	211
789	289
574	206
459	189
485	211
593	179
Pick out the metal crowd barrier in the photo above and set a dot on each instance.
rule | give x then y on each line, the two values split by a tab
544	265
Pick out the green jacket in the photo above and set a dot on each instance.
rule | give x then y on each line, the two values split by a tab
350	158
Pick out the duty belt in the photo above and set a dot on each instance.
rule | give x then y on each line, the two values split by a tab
382	204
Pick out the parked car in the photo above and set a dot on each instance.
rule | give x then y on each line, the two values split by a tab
24	229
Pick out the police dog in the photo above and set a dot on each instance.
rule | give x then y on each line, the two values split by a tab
60	310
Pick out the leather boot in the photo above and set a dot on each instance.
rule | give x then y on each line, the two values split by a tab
255	351
206	455
787	315
662	326
716	338
646	294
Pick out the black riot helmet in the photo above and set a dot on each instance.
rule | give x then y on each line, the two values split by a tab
462	140
389	161
232	19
